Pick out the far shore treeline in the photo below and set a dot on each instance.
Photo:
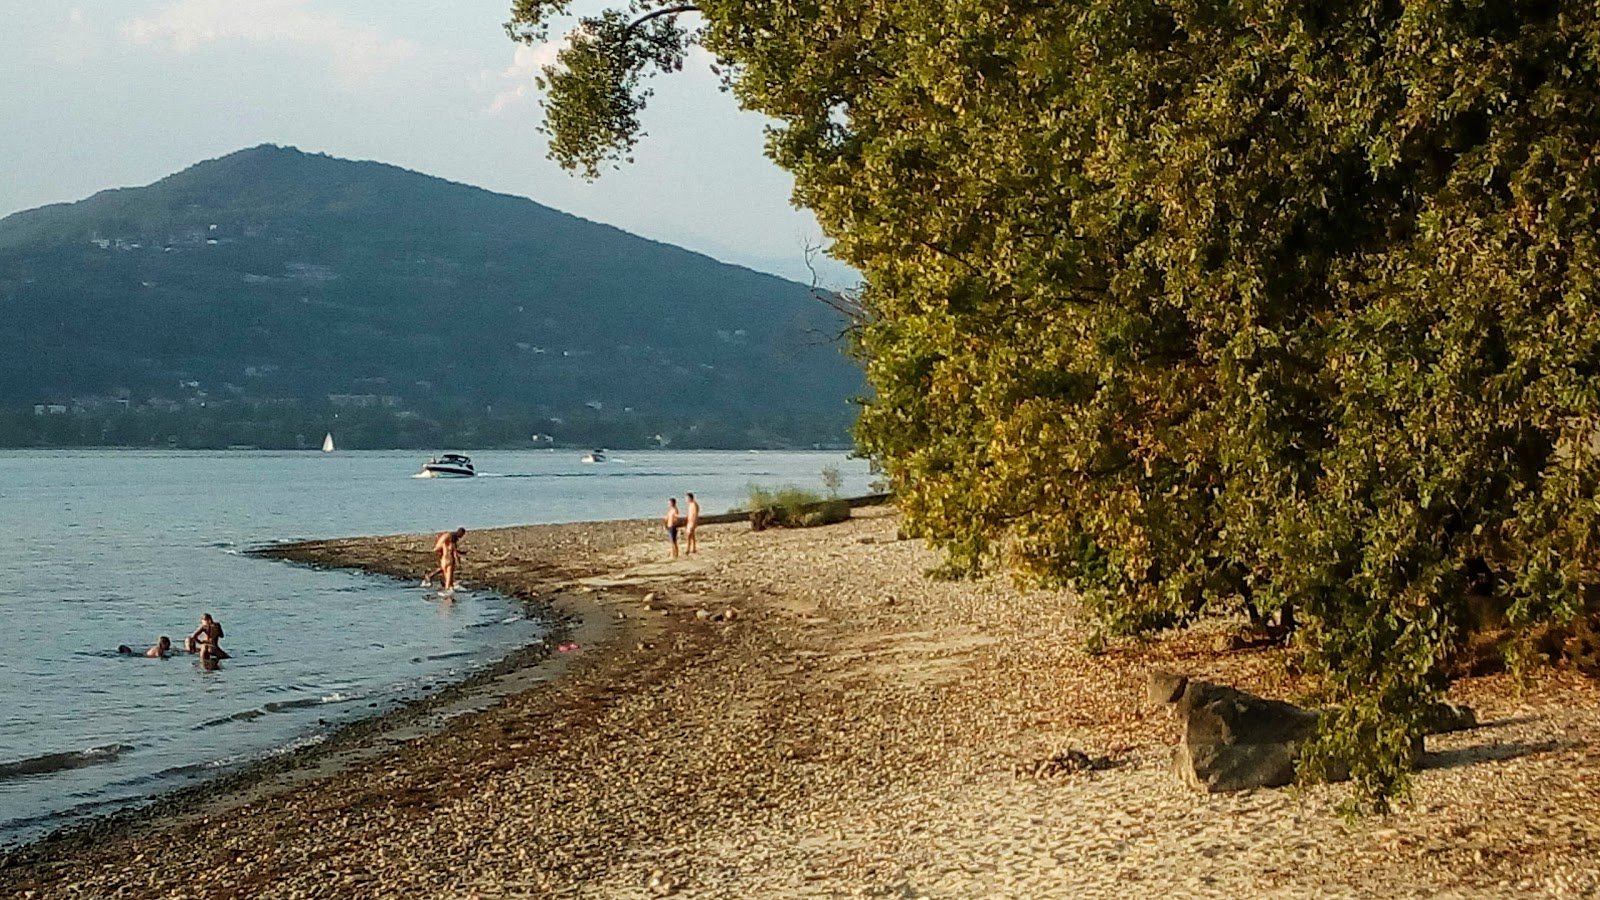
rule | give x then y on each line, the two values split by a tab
1285	308
222	425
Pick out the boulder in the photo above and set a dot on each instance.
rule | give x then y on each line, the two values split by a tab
1233	740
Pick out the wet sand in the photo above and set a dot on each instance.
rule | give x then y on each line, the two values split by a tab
852	729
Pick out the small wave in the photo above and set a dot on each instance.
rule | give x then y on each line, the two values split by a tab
277	706
305	702
58	762
46	821
435	657
243	715
139	784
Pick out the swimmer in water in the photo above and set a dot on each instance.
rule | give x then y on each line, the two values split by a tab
161	649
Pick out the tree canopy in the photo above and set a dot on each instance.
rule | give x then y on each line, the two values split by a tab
1200	305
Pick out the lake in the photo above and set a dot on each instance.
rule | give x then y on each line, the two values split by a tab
109	547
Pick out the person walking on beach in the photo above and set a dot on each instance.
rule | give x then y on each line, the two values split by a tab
671	518
448	546
207	635
690	523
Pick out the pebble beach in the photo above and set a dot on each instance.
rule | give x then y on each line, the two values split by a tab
803	713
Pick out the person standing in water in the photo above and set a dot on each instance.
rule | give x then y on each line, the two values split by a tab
691	522
207	635
672	518
448	546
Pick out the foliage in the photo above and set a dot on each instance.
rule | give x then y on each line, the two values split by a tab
1198	306
794	507
264	281
832	479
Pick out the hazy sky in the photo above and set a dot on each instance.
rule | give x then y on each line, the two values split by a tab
113	93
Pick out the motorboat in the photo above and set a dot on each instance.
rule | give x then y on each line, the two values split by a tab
594	456
450	465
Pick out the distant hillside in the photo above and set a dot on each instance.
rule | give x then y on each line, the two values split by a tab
274	286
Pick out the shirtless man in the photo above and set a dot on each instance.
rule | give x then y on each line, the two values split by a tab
671	518
690	523
161	649
207	635
448	546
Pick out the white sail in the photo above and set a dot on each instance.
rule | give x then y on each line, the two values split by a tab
327	443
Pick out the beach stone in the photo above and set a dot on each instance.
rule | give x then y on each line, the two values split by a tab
1445	717
1233	740
661	884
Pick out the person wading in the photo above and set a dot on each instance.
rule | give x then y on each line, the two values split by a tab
448	546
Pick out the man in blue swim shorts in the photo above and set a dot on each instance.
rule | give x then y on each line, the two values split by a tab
672	518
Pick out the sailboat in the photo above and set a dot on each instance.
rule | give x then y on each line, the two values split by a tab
327	443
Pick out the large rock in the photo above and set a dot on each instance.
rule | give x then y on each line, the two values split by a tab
1233	740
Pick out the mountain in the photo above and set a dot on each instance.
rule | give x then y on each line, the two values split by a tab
275	286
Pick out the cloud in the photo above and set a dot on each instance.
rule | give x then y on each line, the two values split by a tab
527	63
358	53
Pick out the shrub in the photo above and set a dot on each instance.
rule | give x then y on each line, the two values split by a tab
793	507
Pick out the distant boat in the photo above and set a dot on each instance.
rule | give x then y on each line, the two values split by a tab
327	443
450	465
594	456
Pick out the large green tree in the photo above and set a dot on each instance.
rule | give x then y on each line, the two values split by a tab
1192	305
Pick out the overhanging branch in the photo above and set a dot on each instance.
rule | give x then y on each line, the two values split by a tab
665	11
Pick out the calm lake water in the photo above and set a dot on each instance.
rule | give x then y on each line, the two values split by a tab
104	548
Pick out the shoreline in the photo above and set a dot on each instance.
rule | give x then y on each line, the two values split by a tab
368	737
853	729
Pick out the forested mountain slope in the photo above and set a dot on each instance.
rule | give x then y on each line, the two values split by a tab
271	279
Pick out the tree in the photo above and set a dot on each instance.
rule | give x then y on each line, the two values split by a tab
1200	305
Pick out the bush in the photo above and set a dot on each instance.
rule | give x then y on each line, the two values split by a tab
793	507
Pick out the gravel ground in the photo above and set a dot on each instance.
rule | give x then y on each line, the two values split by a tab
851	729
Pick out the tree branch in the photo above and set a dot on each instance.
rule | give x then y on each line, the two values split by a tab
656	14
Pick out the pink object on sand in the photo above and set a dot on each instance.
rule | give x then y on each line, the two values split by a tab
566	647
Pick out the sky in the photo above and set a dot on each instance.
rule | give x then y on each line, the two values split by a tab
116	93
